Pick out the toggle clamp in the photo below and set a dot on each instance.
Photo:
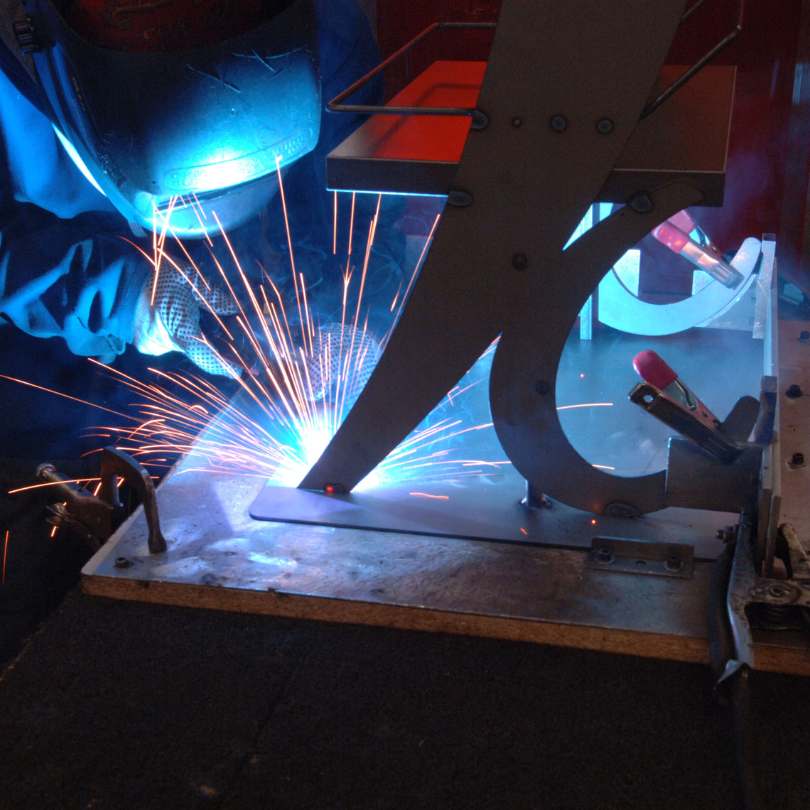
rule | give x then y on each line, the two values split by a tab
95	517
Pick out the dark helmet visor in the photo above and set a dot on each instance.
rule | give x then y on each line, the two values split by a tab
208	125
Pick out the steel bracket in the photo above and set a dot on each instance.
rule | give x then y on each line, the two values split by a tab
637	557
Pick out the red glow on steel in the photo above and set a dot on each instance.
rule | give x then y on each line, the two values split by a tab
429	496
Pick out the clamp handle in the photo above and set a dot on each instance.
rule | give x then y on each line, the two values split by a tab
116	463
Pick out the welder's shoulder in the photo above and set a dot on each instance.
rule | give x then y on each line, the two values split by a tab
343	25
348	48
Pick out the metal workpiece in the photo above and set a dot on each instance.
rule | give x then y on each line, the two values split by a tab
697	480
530	194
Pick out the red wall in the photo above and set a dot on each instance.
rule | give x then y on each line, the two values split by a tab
766	171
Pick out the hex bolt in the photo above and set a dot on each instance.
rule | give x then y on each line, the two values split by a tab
797	460
123	562
604	554
604	126
726	534
520	261
517	122
542	387
674	563
794	391
558	123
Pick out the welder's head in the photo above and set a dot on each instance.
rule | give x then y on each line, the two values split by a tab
188	103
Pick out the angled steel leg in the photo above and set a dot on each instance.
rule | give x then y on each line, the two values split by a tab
564	71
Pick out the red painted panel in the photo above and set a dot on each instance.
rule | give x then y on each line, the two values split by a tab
758	182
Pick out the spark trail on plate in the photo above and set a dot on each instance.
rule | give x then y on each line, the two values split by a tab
289	380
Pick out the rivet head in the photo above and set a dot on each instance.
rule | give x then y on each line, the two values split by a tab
794	391
604	126
797	460
520	261
459	198
558	123
517	122
641	203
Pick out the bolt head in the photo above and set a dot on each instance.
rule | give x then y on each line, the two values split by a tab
517	122
604	126
520	261
558	123
641	203
794	391
797	460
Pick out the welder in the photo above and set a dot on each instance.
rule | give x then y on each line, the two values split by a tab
110	110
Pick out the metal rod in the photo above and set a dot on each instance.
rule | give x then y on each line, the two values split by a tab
691	10
336	104
372	109
698	66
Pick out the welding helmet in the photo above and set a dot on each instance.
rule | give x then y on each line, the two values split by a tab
191	120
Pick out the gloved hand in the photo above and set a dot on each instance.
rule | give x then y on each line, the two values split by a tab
172	324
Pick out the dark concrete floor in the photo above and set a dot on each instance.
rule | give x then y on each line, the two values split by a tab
116	705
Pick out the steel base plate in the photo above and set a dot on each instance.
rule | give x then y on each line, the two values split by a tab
493	512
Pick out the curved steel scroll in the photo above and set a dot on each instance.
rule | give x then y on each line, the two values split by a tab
524	372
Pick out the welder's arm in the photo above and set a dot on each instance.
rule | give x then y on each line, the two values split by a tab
63	278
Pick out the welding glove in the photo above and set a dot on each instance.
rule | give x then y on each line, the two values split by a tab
167	319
